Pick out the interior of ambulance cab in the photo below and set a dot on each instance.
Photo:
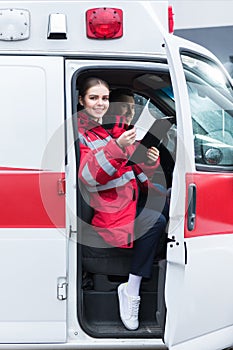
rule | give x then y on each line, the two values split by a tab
101	270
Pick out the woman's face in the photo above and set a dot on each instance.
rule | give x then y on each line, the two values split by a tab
126	107
96	101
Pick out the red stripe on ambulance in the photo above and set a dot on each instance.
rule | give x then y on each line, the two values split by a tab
31	200
213	193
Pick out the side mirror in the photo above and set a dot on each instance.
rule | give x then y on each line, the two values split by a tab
213	156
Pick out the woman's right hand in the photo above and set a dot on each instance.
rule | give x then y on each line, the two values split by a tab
127	138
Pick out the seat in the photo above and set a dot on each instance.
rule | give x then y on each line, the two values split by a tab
104	264
99	257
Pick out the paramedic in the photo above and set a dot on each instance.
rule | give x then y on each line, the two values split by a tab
122	103
113	192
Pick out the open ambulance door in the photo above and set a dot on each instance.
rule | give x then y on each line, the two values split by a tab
32	206
198	287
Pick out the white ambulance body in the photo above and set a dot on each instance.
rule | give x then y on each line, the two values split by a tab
55	293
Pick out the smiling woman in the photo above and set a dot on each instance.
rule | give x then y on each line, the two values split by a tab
113	186
94	97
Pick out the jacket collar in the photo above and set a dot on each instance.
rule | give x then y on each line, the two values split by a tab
86	122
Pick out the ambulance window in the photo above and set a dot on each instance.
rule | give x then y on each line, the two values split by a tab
142	102
211	103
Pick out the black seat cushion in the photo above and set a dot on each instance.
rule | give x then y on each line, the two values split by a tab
99	257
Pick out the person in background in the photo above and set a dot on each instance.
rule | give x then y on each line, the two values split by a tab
114	191
121	112
122	104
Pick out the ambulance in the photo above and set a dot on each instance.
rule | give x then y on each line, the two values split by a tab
56	292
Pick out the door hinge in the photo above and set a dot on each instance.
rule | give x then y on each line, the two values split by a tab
62	287
176	252
72	232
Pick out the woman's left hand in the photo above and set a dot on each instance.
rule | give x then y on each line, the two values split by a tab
152	155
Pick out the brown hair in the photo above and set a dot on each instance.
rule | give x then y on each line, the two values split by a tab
90	82
118	95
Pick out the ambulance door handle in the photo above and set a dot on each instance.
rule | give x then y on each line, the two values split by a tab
192	194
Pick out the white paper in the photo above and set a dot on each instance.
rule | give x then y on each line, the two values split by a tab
144	122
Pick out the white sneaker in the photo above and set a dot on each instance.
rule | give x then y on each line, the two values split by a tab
129	307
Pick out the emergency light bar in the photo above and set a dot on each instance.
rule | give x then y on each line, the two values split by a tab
104	23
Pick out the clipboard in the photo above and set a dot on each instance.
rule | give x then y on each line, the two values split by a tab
154	137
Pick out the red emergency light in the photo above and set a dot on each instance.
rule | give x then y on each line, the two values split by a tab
104	23
170	19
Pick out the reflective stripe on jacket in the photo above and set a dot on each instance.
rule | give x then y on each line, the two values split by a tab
113	186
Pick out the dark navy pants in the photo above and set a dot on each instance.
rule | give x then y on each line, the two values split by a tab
149	226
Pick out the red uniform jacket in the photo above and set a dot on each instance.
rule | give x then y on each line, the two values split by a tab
113	186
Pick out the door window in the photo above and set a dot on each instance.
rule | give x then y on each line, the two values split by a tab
211	104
